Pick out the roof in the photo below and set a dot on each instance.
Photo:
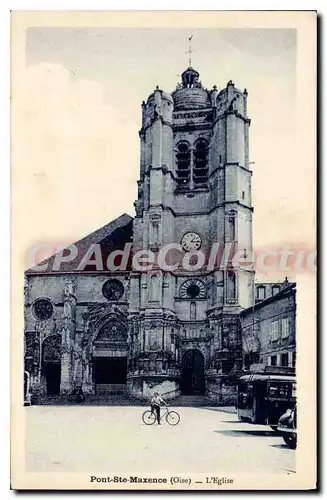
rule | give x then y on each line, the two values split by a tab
269	283
290	289
110	237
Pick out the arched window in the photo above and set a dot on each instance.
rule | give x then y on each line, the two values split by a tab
200	171
42	309
183	158
230	225
154	290
193	310
231	285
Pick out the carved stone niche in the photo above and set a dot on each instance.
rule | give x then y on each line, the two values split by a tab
32	352
154	334
114	331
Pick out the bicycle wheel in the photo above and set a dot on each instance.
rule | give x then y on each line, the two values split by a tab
173	418
148	417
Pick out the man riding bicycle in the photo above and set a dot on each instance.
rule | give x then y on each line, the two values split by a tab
155	405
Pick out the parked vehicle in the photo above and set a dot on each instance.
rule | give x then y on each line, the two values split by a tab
263	397
287	427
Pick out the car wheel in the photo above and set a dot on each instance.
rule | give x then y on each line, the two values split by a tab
290	441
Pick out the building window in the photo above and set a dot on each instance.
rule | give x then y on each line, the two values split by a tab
273	360
275	289
200	166
273	331
250	359
293	359
243	195
154	288
113	289
230	226
285	327
192	289
183	158
261	292
231	285
193	310
42	309
284	359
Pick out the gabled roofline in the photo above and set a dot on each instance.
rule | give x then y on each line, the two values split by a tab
85	242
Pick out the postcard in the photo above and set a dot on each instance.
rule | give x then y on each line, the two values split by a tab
163	250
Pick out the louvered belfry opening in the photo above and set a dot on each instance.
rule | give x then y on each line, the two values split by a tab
200	170
183	157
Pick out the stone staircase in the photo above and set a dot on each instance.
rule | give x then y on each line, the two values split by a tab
90	400
195	400
113	400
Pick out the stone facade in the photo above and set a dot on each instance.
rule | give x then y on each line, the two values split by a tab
170	329
268	329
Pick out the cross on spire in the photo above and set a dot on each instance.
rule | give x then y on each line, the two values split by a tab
189	52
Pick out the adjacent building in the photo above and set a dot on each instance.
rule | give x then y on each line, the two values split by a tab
268	328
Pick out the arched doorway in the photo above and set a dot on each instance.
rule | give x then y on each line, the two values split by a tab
51	364
110	358
192	380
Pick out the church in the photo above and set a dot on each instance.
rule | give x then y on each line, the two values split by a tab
98	318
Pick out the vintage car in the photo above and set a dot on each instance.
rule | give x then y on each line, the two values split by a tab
264	395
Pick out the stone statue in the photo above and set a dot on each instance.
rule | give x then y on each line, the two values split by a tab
69	288
65	337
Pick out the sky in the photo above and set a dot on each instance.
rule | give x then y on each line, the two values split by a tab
80	99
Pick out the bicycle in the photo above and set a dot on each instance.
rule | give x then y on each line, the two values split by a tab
172	417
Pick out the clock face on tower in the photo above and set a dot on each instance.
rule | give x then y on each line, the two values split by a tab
191	241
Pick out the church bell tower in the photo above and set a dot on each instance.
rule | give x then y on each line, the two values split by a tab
194	208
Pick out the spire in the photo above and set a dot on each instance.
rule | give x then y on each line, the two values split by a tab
190	77
190	51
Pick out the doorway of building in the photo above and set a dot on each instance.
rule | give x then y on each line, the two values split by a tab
51	364
110	374
192	380
52	372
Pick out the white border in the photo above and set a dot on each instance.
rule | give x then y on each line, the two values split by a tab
5	7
